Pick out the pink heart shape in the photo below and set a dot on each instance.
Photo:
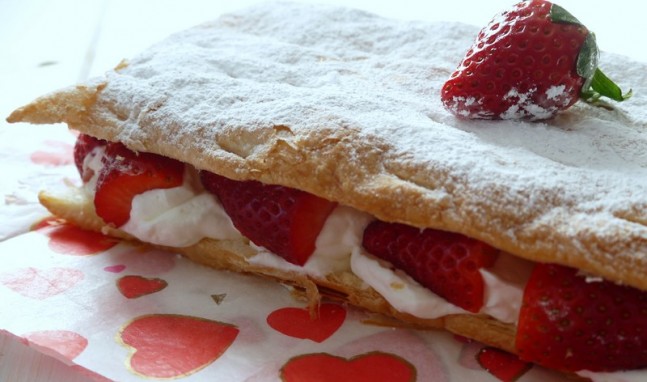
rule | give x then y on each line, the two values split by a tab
64	342
40	284
297	322
115	268
56	154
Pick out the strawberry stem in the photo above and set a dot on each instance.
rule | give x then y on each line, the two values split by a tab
596	83
603	86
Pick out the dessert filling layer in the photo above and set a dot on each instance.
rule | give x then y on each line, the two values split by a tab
424	272
182	216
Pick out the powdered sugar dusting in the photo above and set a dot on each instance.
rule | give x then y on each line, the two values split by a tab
556	92
313	68
525	108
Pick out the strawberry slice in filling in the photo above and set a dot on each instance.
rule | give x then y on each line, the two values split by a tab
126	174
446	263
84	147
284	220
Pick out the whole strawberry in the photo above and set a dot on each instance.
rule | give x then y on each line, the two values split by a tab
530	62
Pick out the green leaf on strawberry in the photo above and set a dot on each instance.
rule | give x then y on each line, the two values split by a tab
601	86
587	60
596	84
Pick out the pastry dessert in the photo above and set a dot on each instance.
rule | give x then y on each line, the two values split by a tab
310	144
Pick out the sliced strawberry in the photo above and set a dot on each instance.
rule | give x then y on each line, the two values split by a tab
531	61
505	366
284	220
570	323
446	263
84	146
126	174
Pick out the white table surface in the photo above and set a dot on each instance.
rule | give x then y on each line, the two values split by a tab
45	45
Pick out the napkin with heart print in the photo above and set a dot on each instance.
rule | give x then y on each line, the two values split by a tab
117	311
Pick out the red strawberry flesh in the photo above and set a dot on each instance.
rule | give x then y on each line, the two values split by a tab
446	263
127	174
570	324
284	220
82	148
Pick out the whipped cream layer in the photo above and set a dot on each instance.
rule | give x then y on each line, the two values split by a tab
504	284
179	216
184	215
338	249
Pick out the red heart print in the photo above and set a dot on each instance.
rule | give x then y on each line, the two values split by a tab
368	367
114	268
64	342
57	154
297	322
68	239
132	286
171	346
40	284
71	240
505	366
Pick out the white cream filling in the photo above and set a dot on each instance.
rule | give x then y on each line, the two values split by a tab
179	216
93	162
341	233
176	217
400	290
504	285
182	216
339	249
